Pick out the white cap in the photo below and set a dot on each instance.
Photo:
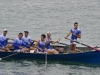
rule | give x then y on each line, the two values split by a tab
48	32
5	30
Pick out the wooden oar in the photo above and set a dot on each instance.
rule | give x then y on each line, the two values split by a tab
85	45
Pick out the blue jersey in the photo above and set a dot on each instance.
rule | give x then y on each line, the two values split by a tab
76	31
3	41
1	46
27	40
48	43
19	42
42	45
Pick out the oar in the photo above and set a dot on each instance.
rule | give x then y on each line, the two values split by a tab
46	60
85	45
63	44
8	56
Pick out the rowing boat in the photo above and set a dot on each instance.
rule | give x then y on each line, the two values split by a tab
85	56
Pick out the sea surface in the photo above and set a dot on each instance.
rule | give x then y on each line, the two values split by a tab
56	16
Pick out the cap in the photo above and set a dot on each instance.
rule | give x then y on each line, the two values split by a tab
26	31
48	32
5	30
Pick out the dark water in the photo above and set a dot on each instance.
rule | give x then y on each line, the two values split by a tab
57	16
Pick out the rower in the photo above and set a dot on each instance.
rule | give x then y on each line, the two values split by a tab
40	44
19	45
76	33
4	46
27	40
49	41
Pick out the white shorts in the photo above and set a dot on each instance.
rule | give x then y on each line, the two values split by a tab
71	42
19	50
50	49
32	51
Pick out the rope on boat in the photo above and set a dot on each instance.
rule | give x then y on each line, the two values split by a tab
8	56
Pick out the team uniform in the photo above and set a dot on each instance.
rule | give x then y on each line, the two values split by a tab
27	40
48	45
73	37
42	46
17	43
3	41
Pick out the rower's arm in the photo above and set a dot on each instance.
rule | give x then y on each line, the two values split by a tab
31	42
67	35
53	42
34	40
15	44
25	45
36	45
79	36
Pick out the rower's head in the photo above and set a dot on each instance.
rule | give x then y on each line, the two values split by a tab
75	25
48	34
20	35
43	36
26	33
5	32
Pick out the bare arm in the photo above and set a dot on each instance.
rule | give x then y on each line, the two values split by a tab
79	36
36	45
66	37
34	40
53	42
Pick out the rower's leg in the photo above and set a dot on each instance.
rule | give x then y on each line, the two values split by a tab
33	48
10	45
55	52
52	51
2	50
71	46
49	52
78	50
27	50
7	50
74	48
